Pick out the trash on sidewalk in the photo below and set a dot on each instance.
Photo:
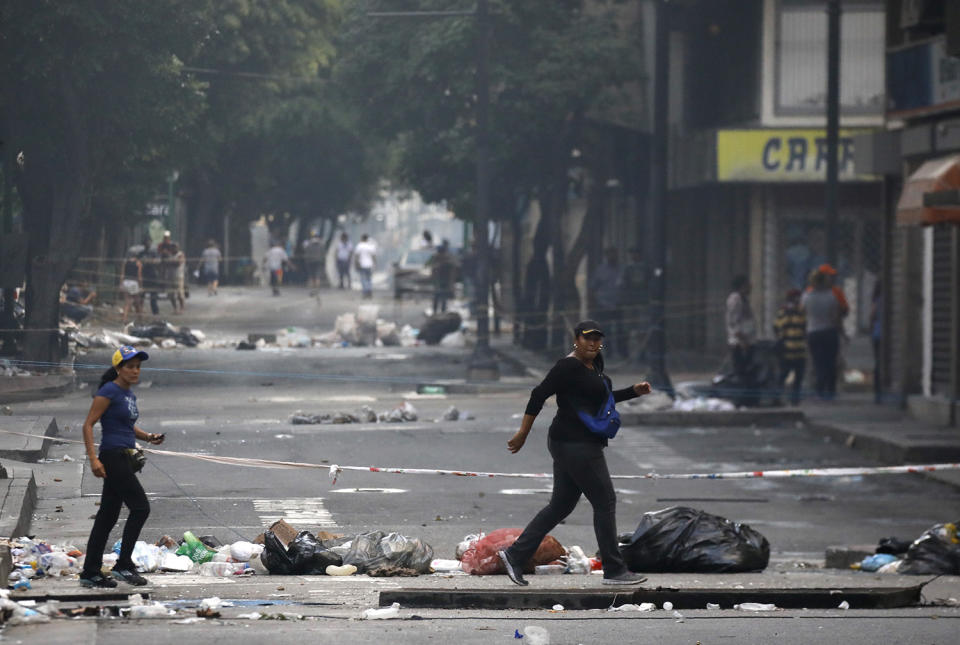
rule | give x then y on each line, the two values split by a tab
305	555
404	412
686	540
481	559
935	552
439	325
644	606
454	414
875	562
140	608
655	401
755	606
534	635
703	404
369	551
386	613
342	570
159	330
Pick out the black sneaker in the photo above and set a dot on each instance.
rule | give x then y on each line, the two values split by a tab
97	581
514	573
129	576
625	578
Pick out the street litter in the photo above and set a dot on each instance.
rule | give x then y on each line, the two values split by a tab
875	562
686	540
304	555
755	606
844	605
703	404
439	325
393	611
678	616
535	635
713	606
481	558
453	414
557	607
446	566
935	552
369	551
404	412
342	570
139	608
668	606
644	606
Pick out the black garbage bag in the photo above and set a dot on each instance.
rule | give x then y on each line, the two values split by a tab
893	546
309	557
274	556
935	552
439	325
686	540
378	549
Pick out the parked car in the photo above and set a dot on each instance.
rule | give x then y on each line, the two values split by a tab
411	275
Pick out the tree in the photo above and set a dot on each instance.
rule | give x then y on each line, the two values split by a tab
551	64
275	139
92	92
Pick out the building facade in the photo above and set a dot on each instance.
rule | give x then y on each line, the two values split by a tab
748	160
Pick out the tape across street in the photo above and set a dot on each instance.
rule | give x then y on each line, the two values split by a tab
335	470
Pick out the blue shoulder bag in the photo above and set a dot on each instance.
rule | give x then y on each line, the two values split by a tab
606	422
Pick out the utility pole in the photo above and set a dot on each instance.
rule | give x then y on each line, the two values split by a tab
833	127
482	365
656	217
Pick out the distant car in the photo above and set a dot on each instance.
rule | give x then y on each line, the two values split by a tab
411	275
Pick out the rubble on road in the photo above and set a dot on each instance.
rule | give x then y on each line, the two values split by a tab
404	412
157	334
454	414
935	552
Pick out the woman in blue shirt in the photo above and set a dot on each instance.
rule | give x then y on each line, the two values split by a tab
115	407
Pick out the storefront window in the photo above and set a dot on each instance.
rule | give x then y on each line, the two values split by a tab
801	76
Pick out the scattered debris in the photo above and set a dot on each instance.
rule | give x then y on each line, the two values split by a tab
755	606
393	611
645	606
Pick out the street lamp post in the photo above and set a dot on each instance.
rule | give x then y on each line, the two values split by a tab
833	126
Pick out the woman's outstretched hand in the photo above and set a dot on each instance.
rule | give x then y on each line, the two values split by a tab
641	388
516	441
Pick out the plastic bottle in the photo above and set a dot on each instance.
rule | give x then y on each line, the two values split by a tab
218	569
195	549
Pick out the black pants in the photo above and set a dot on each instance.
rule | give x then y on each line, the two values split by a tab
578	468
798	367
742	359
824	345
120	486
440	297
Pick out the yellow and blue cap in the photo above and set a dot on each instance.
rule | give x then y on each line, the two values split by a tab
126	352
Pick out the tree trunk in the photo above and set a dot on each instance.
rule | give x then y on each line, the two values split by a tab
56	199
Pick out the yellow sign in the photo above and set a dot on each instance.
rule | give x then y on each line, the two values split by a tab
781	155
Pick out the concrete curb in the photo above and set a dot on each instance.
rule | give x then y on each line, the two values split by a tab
579	599
65	385
31	449
19	500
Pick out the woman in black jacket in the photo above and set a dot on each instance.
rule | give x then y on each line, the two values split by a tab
579	466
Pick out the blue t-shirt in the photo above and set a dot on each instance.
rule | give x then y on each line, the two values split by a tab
117	422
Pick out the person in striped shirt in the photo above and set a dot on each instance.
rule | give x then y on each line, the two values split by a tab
790	329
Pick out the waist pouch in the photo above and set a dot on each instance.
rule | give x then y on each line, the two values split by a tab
606	422
136	458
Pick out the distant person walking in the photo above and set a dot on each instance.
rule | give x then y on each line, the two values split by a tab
152	282
131	282
344	255
313	253
366	260
176	279
741	336
274	261
210	267
823	334
115	407
579	466
790	329
443	273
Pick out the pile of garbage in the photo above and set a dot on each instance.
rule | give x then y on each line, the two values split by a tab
403	413
687	400
9	369
157	334
935	552
366	329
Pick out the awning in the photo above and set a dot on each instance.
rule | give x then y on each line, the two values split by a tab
935	176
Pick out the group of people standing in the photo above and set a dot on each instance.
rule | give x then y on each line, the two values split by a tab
150	271
809	321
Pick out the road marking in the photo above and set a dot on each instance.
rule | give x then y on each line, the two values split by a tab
349	398
183	422
369	490
302	511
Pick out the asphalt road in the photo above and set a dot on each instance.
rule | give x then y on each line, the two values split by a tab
237	403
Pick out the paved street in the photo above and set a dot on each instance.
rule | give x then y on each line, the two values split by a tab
237	403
